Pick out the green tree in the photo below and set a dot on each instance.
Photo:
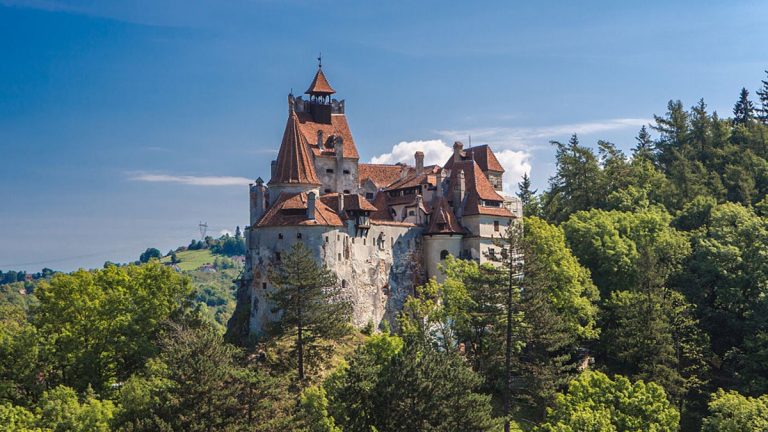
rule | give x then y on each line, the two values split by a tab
20	366
594	402
744	110
732	412
150	253
763	95
726	277
577	183
624	250
99	327
423	389
645	147
528	198
310	304
60	410
15	418
193	385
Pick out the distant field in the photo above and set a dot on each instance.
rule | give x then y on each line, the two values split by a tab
192	259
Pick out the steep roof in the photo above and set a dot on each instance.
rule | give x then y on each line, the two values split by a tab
294	163
443	221
291	210
351	202
337	128
478	188
484	157
381	175
320	85
427	176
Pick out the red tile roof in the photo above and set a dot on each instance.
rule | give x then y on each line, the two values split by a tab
427	176
351	202
478	188
381	175
294	163
443	220
291	210
484	157
320	85
337	128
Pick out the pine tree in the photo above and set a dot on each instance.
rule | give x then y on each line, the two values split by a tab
645	146
527	196
310	302
744	110
763	94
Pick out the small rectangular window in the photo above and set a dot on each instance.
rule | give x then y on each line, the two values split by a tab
496	226
329	170
280	236
369	195
298	235
264	285
346	171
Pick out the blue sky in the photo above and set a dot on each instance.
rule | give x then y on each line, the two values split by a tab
124	124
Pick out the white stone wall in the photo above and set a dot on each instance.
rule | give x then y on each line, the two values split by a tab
483	225
434	245
376	276
337	181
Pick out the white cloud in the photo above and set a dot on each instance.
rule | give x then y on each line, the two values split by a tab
532	137
515	162
435	152
225	232
193	180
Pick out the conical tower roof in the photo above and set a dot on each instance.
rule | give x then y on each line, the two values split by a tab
320	85
443	221
294	163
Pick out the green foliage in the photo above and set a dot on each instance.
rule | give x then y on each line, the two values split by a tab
193	385
60	411
314	407
99	327
626	250
19	357
732	412
149	254
17	419
312	310
391	385
594	402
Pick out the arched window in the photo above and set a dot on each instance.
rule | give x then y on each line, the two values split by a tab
443	254
343	283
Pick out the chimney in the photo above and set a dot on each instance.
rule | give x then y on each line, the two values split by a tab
438	186
311	205
457	147
459	192
320	139
258	200
341	202
419	157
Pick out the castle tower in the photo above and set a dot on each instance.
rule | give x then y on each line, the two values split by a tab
442	237
294	171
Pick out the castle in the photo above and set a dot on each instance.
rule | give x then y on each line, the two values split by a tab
381	228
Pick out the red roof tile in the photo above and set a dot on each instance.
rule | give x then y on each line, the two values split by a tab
381	175
337	128
443	220
320	85
478	188
291	210
294	163
351	202
484	157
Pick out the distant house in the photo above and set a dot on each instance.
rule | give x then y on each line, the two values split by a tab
207	268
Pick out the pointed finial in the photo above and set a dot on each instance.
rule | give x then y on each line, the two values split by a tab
320	60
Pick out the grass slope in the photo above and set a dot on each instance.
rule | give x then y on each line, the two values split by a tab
192	259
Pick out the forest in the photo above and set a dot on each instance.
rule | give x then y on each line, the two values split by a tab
632	297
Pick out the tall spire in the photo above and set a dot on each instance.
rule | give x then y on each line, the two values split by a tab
294	163
320	86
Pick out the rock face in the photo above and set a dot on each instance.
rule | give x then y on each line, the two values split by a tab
376	271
